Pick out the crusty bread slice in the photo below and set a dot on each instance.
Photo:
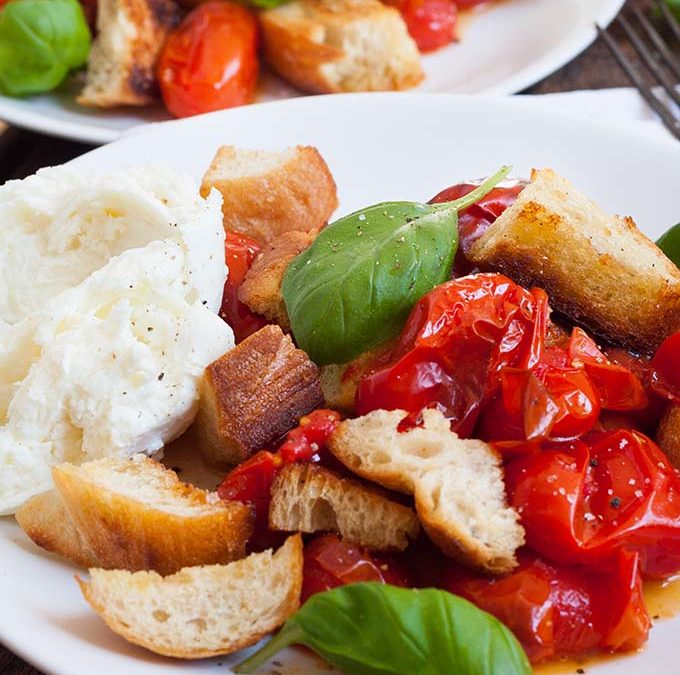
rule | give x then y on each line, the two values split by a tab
201	611
458	484
309	498
599	270
267	193
120	68
136	515
253	395
329	46
668	434
260	290
46	521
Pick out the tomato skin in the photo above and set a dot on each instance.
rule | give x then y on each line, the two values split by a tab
666	364
240	251
474	221
453	346
330	561
307	441
209	62
562	611
581	505
431	23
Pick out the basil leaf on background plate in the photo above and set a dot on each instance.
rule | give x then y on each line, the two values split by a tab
40	42
378	629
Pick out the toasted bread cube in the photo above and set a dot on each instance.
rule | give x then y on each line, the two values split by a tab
308	498
253	395
121	65
265	194
457	484
599	270
339	382
329	46
134	514
201	611
261	287
668	435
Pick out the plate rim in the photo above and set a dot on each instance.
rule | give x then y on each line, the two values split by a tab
602	13
11	636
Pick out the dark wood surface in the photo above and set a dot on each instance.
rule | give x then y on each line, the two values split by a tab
22	153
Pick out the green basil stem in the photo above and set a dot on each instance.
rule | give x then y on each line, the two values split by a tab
290	634
478	193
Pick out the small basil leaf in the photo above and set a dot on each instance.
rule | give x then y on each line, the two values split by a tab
40	42
355	286
377	629
669	243
674	6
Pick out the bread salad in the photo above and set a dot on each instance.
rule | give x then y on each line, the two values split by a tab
205	56
443	436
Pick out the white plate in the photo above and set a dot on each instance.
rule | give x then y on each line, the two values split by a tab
379	147
504	50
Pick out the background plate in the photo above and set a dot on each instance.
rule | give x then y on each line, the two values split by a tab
376	153
504	50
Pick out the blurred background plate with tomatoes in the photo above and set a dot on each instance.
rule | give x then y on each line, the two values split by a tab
211	57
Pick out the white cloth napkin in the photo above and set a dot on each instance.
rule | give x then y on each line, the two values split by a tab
622	106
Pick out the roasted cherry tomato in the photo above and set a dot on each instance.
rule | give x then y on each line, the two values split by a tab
452	349
474	221
240	252
306	442
560	610
431	23
251	482
209	62
330	562
618	387
583	505
666	364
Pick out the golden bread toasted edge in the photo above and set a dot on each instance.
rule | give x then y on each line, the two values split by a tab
293	191
288	557
307	497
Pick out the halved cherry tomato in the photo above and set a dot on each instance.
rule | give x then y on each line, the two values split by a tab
583	505
240	251
558	610
307	441
474	221
431	23
330	561
452	349
210	61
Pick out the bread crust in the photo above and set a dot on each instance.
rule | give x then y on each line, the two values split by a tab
253	395
457	484
599	270
260	290
668	434
309	498
95	518
293	191
310	43
109	593
121	66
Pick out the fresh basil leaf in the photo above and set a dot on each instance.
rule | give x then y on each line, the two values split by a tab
40	42
669	243
377	629
354	287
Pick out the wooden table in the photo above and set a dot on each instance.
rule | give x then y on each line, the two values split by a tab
22	153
